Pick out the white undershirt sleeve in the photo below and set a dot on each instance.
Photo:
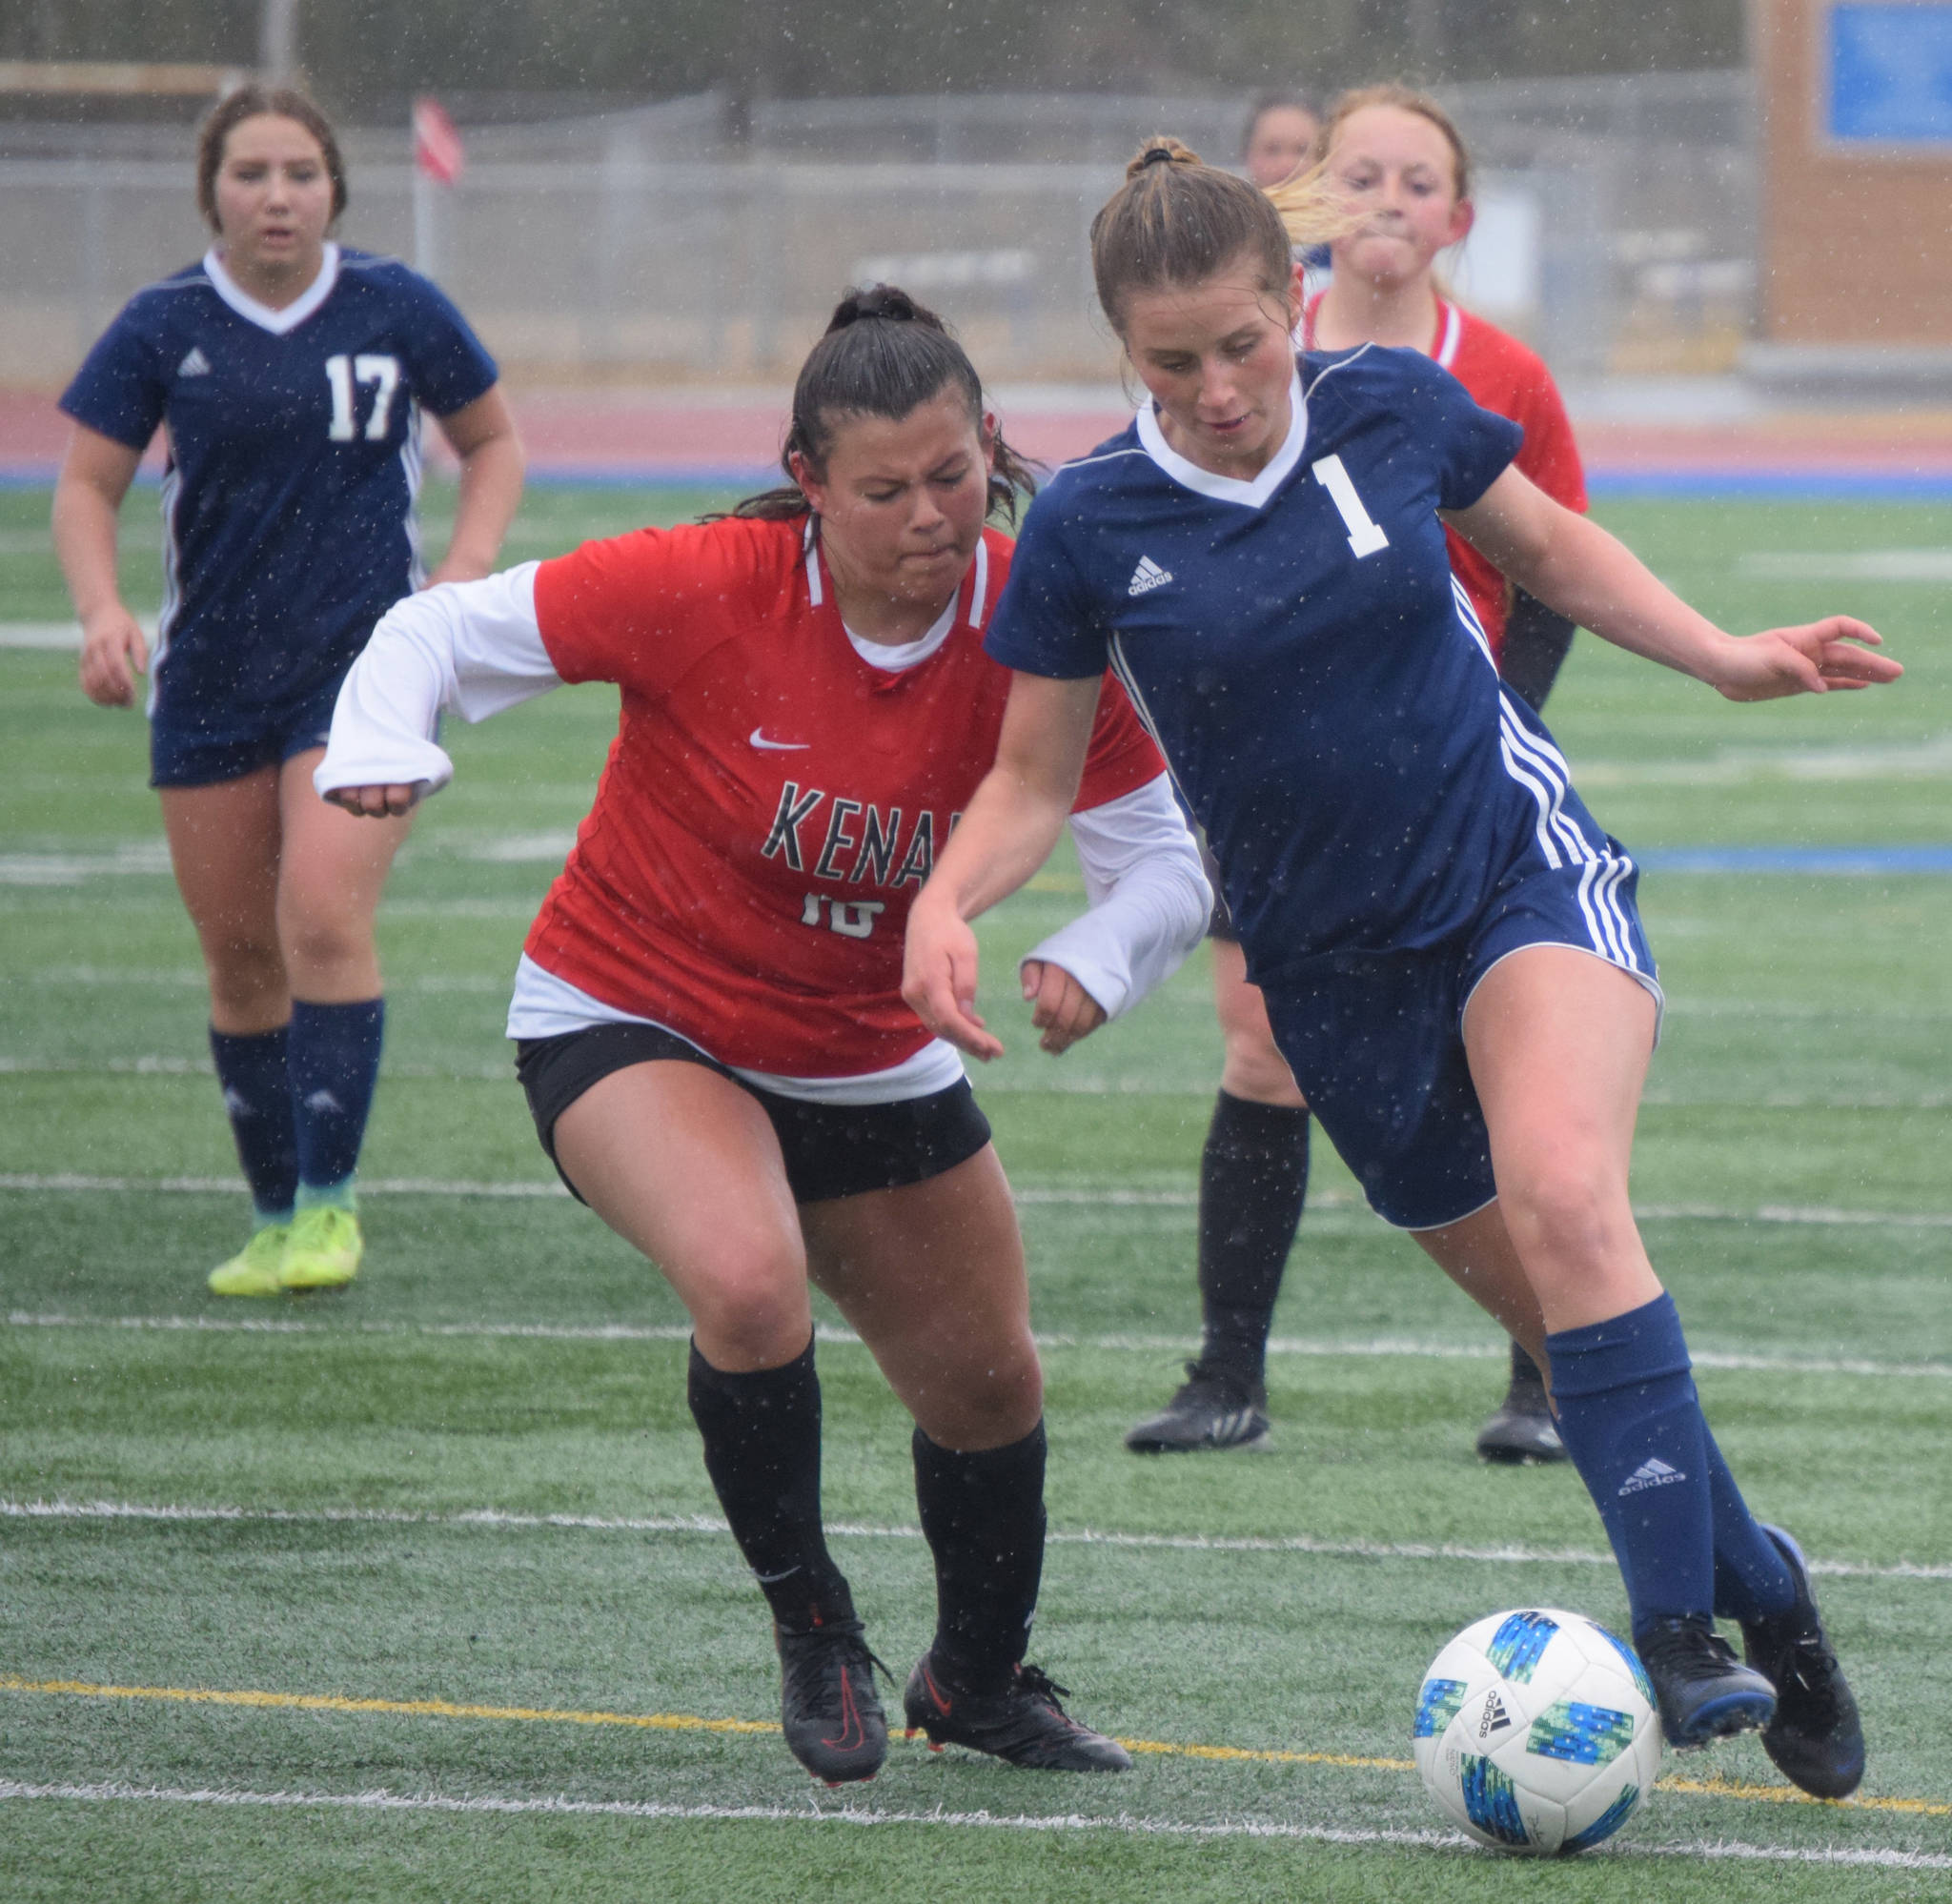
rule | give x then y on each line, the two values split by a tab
466	648
1148	894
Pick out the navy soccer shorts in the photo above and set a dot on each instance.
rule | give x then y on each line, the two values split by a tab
202	749
1376	1040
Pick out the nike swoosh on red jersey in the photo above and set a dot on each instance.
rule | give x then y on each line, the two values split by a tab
757	738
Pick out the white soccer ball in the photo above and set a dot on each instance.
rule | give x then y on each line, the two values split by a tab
1537	1732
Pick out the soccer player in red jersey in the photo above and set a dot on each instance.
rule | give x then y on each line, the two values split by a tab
708	1014
1393	157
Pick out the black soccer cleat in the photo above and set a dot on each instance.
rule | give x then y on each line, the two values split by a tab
1704	1692
1023	1724
829	1707
1523	1430
1816	1737
1212	1410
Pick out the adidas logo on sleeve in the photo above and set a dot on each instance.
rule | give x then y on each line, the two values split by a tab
195	364
1652	1472
1148	577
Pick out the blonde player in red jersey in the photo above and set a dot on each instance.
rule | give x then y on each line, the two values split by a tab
708	1014
1396	160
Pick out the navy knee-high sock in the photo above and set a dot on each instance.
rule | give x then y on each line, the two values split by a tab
252	1074
1751	1578
1631	1422
335	1064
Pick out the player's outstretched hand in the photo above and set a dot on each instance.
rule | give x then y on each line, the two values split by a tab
1065	1011
1834	653
114	652
939	976
376	802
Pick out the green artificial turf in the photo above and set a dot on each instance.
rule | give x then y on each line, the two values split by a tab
472	1482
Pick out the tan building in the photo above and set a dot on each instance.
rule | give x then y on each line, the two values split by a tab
1855	116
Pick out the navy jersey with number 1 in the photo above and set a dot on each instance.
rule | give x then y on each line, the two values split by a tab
1300	650
293	463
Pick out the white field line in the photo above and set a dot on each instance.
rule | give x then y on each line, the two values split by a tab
495	1519
1031	1196
1070	1083
1375	1348
814	1813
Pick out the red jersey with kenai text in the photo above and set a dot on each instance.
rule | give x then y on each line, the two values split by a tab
1505	376
772	802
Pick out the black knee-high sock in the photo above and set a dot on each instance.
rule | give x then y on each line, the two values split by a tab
1526	1373
983	1517
1253	1181
762	1436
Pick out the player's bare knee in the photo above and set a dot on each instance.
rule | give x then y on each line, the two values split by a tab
244	976
751	1305
1254	1069
323	948
979	1406
1576	1220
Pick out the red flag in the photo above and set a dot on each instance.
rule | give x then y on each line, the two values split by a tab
436	145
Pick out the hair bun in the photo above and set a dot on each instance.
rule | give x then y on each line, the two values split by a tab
1161	148
888	302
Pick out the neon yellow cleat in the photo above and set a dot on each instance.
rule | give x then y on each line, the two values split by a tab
323	1249
254	1271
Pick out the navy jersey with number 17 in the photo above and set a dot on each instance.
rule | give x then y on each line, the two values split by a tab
1302	653
295	457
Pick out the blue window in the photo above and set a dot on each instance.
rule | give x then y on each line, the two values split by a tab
1890	74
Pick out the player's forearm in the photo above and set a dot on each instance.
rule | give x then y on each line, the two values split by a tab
1597	582
1005	833
491	490
84	528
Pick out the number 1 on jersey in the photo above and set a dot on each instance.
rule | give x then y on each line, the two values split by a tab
1365	538
341	373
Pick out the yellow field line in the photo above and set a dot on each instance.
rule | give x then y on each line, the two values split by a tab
1240	1752
419	1709
689	1722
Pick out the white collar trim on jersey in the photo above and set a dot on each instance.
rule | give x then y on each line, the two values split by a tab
291	315
911	654
1449	333
1224	488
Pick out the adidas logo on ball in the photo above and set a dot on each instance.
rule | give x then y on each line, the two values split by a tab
1494	1718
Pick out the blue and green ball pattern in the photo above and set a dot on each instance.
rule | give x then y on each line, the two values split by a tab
1580	1734
1519	1644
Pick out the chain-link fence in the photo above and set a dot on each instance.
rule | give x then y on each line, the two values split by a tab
693	240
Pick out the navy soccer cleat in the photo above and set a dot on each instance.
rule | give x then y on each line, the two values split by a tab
1023	1724
1212	1410
1816	1737
1704	1693
829	1707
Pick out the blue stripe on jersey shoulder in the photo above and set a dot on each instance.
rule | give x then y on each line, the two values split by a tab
352	260
191	277
1124	444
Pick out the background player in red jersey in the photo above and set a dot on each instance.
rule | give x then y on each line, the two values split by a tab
1394	158
708	1013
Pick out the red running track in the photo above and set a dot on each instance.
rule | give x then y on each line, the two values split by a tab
680	437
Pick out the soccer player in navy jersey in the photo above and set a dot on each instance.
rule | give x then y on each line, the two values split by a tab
1396	160
289	375
1448	943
